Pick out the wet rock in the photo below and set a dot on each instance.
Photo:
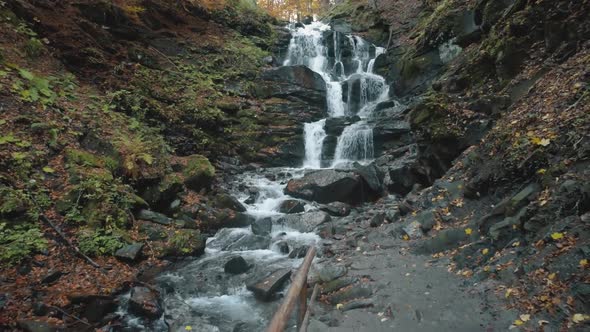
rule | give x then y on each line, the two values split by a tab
156	217
317	326
328	273
292	206
299	252
52	277
236	265
96	307
185	242
231	218
145	303
129	253
283	247
245	327
34	326
326	186
335	125
262	226
265	288
336	209
305	222
307	20
225	201
229	239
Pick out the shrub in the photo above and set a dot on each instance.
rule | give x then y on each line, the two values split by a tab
99	243
19	242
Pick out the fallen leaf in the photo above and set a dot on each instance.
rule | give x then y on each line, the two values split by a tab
468	231
557	236
518	322
188	328
552	276
541	171
339	306
544	142
543	322
578	318
525	317
508	292
583	263
485	251
516	244
406	237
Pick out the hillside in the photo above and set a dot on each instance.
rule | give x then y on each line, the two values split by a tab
161	160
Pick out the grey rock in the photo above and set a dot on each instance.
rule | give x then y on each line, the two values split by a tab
326	186
336	209
145	303
413	230
330	272
130	252
305	222
337	284
236	265
292	206
156	217
299	252
52	277
377	220
262	226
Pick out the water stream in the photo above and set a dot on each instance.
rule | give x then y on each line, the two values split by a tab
200	293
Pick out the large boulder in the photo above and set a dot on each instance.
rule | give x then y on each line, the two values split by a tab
229	239
198	173
326	186
145	302
292	206
298	82
305	222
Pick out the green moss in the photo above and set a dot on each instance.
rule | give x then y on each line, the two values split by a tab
198	166
185	242
19	242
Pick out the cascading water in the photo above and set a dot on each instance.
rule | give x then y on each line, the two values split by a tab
314	138
364	90
200	294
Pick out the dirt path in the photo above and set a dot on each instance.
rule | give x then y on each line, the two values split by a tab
408	292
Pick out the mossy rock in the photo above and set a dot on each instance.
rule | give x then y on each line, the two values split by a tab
198	172
185	242
14	204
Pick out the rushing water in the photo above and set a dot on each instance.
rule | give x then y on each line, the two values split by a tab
200	294
364	89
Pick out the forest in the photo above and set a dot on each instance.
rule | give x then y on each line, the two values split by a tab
281	165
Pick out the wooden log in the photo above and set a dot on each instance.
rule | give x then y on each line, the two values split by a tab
279	320
314	294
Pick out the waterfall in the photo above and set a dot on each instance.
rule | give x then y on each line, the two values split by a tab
334	98
355	143
314	141
364	90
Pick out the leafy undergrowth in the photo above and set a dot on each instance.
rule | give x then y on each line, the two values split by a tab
98	122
